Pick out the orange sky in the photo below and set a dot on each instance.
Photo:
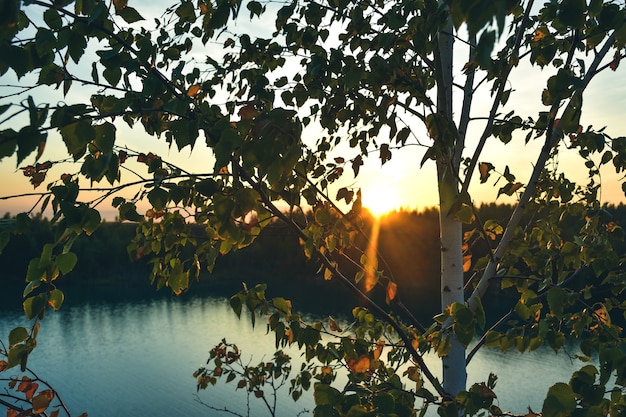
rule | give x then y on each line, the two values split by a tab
401	177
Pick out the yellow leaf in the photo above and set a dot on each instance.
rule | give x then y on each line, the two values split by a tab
602	315
223	170
328	274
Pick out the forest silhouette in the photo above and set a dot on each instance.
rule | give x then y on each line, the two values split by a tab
275	258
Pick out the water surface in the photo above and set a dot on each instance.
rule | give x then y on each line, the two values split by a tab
113	354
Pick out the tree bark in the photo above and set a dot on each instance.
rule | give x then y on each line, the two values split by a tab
451	233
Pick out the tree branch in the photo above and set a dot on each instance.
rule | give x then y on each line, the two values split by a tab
347	283
552	136
497	98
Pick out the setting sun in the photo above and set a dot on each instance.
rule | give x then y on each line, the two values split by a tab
380	198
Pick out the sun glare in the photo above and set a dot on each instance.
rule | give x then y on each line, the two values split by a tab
379	199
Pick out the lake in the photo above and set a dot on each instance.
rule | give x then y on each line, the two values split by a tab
113	353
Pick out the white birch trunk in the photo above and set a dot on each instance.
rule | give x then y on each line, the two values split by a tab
451	233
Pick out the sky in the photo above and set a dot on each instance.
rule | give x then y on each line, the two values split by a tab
400	183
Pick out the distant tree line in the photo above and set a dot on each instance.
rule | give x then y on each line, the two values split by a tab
274	258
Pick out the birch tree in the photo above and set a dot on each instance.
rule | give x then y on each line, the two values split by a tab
288	101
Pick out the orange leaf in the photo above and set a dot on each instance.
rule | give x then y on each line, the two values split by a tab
413	373
11	413
30	392
241	383
379	349
3	365
392	291
223	170
467	262
193	90
539	35
333	325
516	187
120	4
616	60
359	365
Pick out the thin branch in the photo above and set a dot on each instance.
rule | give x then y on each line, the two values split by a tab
468	95
347	283
497	98
552	136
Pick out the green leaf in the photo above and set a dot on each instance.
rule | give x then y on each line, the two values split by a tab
51	75
35	305
185	132
178	279
55	299
325	410
18	59
76	137
326	395
17	335
30	287
158	197
53	19
572	13
17	354
384	403
130	15
128	211
66	262
35	272
560	401
557	299
41	402
463	334
112	74
104	137
207	187
90	220
282	305
247	199
236	303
